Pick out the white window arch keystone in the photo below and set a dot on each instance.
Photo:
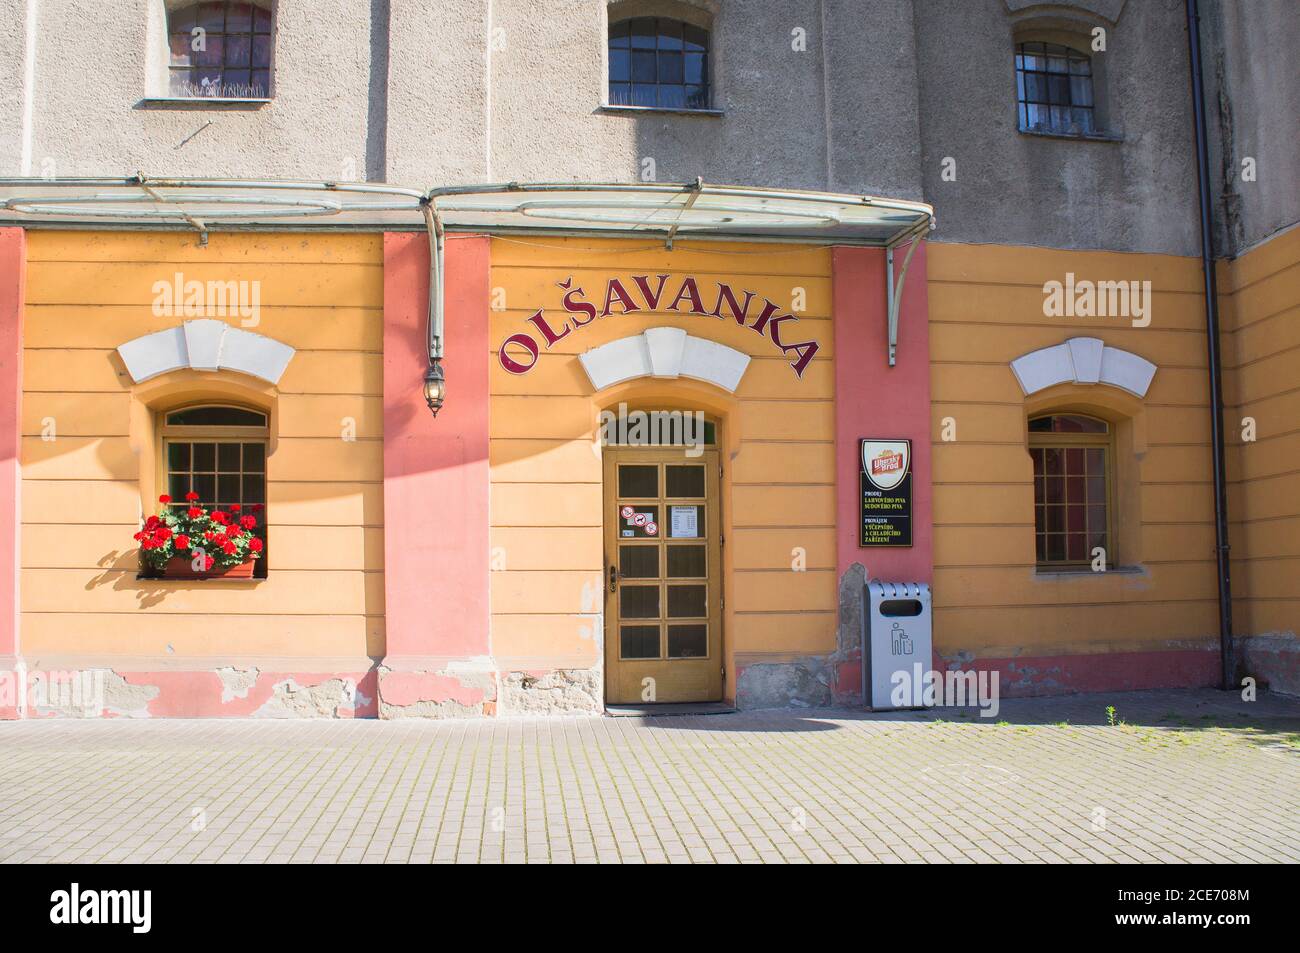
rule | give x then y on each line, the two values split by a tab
1083	361
665	353
206	345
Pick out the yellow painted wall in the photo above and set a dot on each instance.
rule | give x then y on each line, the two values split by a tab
1260	297
986	309
778	486
83	492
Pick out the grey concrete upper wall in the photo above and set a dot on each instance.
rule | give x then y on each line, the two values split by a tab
851	95
1252	86
1135	193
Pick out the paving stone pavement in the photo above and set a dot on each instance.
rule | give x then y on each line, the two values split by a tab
1195	776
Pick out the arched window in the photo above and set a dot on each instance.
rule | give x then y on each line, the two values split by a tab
1072	456
220	49
658	63
1054	89
217	451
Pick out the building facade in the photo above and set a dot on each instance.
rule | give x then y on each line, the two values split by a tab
527	550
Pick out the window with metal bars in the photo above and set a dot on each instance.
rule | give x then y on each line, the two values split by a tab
1071	455
1054	89
656	62
220	49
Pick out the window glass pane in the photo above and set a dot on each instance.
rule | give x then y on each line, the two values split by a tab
205	456
638	480
228	489
684	481
1073	461
205	485
178	484
618	35
239	18
261	20
1076	547
643	67
638	641
216	417
638	602
687	602
670	67
693	69
620	65
1055	518
688	641
695	39
644	95
638	562
254	488
261	84
643	33
178	456
210	51
620	94
686	562
179	44
254	457
672	97
228	456
1054	458
212	16
670	34
262	51
238	50
1055	547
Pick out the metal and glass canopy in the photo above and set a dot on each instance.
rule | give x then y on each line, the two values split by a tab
662	211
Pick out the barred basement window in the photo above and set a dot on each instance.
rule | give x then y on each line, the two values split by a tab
658	63
220	50
1072	456
218	452
1054	89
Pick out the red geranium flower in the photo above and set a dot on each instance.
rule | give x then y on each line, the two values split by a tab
162	534
191	496
220	517
248	522
257	507
194	512
151	523
255	544
235	507
208	562
182	541
164	498
233	530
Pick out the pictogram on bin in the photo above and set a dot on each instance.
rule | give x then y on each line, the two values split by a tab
896	644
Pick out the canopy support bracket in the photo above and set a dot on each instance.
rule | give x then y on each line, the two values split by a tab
894	291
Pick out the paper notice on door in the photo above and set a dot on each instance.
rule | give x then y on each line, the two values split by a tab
684	522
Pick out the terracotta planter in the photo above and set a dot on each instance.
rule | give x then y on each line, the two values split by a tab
182	568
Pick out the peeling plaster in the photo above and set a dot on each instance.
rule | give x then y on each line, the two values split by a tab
564	691
289	699
236	683
125	699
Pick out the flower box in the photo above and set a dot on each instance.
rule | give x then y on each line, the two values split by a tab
180	567
226	542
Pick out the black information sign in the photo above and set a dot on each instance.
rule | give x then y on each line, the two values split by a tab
886	483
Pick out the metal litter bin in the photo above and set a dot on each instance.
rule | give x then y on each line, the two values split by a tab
896	644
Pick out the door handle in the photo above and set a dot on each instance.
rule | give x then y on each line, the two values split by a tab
613	577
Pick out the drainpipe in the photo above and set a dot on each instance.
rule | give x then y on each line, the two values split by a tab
1212	346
